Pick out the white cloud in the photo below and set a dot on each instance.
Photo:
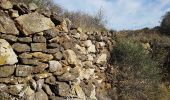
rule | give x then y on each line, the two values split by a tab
123	14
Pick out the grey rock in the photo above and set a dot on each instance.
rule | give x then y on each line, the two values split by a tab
47	89
40	95
18	47
52	51
40	84
40	39
23	70
33	23
25	39
54	66
6	71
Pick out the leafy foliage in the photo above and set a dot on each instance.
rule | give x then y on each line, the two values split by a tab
139	75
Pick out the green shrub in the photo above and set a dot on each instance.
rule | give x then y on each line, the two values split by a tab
139	75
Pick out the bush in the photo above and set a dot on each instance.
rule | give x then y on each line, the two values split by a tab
86	21
165	24
138	75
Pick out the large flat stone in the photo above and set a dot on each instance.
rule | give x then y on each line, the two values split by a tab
33	23
7	25
7	55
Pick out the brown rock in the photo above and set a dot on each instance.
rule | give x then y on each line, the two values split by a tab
61	88
38	46
18	47
6	71
42	56
33	23
7	25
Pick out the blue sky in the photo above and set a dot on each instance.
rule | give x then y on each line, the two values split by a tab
122	14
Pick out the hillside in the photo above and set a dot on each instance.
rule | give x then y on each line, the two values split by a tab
45	56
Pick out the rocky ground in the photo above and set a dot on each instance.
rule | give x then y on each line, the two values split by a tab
43	57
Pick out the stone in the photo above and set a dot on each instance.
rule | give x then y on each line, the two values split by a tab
6	71
21	8
13	13
67	76
5	4
38	46
102	59
58	56
3	87
52	33
32	6
23	70
82	50
33	84
53	45
54	66
40	39
47	89
40	95
28	91
68	45
61	89
79	91
87	87
40	68
91	49
76	35
79	29
52	51
86	73
25	39
25	56
56	19
15	89
88	64
40	84
7	55
83	36
7	25
42	56
50	80
88	43
9	38
30	61
19	47
43	75
70	56
34	23
64	25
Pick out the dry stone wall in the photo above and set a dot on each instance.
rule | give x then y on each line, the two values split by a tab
42	57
